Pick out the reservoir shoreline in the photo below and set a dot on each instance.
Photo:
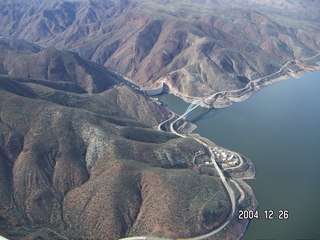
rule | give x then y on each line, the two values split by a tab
233	177
236	229
284	87
292	68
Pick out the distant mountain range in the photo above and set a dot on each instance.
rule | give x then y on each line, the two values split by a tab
196	47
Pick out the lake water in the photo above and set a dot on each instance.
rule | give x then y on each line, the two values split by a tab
279	130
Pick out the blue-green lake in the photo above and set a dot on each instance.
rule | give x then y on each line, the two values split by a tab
278	128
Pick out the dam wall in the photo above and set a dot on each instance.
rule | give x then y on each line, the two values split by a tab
155	91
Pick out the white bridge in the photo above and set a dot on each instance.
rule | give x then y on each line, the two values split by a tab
194	105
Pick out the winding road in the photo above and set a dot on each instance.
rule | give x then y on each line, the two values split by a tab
252	82
231	196
168	120
225	183
221	175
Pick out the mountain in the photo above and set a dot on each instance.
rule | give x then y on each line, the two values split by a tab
197	48
90	165
79	153
21	59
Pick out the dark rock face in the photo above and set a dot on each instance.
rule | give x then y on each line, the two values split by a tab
199	47
75	165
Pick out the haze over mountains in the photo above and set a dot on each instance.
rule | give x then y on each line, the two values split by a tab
196	47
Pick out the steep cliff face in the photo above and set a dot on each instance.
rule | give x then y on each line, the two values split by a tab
196	47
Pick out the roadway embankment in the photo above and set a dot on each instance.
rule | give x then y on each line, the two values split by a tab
221	99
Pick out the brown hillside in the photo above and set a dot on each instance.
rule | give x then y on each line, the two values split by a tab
197	47
74	166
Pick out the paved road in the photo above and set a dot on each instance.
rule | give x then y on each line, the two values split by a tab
261	78
242	194
225	223
165	121
230	193
237	166
182	116
224	182
223	179
254	80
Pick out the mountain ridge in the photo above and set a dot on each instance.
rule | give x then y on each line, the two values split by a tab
54	65
59	149
199	48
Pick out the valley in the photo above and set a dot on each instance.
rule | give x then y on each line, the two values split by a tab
88	150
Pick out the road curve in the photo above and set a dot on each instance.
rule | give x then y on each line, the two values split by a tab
237	166
182	116
242	194
223	179
261	78
221	175
169	119
224	224
252	81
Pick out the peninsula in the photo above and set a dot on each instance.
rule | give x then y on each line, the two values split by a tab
86	153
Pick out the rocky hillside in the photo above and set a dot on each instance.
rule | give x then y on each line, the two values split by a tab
196	47
25	60
90	166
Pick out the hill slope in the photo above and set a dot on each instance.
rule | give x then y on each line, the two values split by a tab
25	60
77	165
196	47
